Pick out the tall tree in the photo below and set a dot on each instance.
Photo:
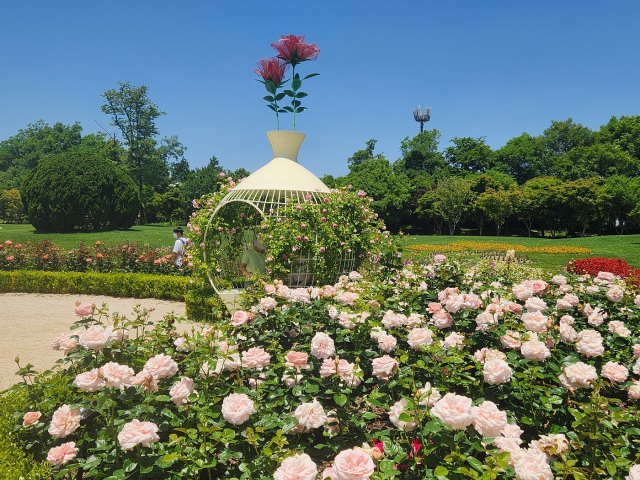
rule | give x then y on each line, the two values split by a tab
522	157
24	151
419	155
623	132
562	137
452	198
135	115
361	156
470	154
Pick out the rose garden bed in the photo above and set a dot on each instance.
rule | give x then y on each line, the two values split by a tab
427	371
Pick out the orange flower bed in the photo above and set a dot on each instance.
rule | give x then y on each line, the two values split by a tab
465	246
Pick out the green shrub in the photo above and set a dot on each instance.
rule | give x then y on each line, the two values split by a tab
14	463
79	190
203	305
112	284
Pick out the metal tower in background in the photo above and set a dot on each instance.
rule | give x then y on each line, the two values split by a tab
422	115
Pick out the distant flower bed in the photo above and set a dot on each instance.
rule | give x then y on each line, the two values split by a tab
595	265
120	258
490	246
428	371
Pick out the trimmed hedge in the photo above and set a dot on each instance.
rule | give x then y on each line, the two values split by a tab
201	304
135	285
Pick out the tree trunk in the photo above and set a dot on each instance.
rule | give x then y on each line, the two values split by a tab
498	228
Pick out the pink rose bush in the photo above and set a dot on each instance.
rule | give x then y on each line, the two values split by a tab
397	370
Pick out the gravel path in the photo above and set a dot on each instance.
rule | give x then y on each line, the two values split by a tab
28	323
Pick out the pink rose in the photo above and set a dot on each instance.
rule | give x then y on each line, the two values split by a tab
615	372
514	308
454	303
237	408
328	368
590	343
485	321
596	316
428	395
30	418
617	326
535	304
442	319
522	292
534	349
310	415
496	372
94	338
439	259
636	350
83	310
551	444
145	380
578	375
568	333
55	343
488	420
297	360
116	375
530	464
387	343
181	390
64	422
634	391
297	467
454	410
90	381
418	337
255	358
347	298
384	367
538	286
559	280
397	409
392	319
615	293
161	366
240	317
269	289
345	321
267	303
634	473
353	464
328	473
488	354
453	340
637	300
511	339
322	345
62	454
138	433
434	307
606	276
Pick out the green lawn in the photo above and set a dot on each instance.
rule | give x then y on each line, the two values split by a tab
626	247
154	236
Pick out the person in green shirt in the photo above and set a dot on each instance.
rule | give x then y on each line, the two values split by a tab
252	261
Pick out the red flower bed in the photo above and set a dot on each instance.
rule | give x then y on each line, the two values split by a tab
594	265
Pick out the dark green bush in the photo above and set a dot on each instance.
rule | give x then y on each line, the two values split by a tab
79	189
204	305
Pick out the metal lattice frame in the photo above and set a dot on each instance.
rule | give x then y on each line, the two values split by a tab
271	203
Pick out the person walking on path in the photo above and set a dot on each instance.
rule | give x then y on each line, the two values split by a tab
179	255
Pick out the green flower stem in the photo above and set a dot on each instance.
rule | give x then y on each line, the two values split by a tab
293	76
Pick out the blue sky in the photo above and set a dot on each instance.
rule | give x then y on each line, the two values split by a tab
487	68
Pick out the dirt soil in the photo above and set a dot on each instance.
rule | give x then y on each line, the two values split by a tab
28	323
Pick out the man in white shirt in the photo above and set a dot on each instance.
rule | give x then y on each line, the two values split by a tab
178	247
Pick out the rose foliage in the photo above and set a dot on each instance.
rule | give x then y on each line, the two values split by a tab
426	371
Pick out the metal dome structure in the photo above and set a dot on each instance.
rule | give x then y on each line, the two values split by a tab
270	191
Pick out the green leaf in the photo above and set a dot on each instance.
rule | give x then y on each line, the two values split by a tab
301	94
296	103
387	466
289	93
296	84
475	463
440	471
273	108
280	96
311	75
268	98
403	417
270	86
300	109
340	399
289	109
